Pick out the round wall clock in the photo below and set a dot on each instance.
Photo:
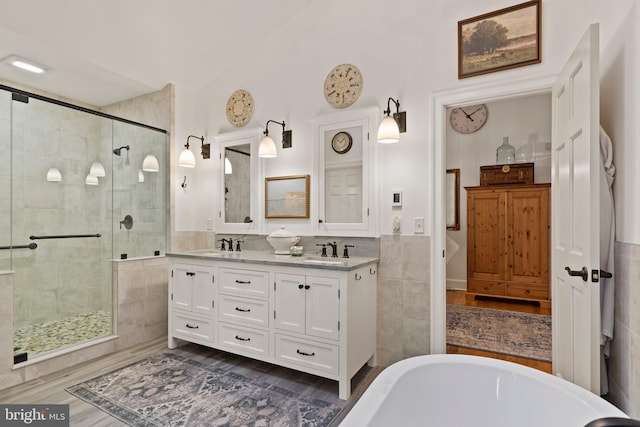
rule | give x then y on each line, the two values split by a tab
239	107
341	142
468	119
343	85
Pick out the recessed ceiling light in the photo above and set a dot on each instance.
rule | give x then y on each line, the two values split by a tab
25	64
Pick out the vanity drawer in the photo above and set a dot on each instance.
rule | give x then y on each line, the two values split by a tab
192	327
244	310
236	338
244	282
311	354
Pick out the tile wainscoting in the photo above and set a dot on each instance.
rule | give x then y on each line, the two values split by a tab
624	363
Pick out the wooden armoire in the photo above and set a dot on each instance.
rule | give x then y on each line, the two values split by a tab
508	243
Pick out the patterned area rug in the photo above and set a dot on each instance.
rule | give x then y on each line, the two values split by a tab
500	331
170	390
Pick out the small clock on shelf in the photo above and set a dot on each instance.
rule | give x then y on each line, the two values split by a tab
468	119
341	142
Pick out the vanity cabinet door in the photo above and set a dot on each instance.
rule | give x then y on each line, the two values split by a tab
308	305
322	307
192	288
290	297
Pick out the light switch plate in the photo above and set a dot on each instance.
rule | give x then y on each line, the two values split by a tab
418	225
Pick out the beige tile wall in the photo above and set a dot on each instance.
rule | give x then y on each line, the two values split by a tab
624	364
403	298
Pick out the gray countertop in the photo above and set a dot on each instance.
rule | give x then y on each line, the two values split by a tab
259	257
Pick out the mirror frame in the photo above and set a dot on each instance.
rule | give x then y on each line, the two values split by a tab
280	184
222	141
368	119
452	198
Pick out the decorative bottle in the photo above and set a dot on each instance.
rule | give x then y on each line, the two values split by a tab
505	153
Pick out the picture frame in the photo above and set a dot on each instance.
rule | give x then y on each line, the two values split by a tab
500	40
453	199
286	197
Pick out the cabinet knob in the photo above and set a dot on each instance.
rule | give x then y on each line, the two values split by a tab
307	286
300	286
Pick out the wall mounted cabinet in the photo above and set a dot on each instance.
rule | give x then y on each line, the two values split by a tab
345	171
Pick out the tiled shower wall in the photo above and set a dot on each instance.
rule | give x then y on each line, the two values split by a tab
624	364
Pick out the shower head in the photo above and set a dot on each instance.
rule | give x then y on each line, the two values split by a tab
118	151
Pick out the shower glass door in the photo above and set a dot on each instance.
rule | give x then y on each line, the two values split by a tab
61	186
5	181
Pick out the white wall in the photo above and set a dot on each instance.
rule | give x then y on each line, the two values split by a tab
527	123
405	49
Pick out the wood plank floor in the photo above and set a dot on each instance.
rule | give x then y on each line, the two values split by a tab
50	389
458	297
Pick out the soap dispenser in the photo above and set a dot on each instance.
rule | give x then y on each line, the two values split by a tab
505	153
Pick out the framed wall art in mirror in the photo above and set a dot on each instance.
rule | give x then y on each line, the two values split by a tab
286	197
453	199
238	172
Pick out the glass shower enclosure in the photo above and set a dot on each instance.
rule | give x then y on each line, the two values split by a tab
78	189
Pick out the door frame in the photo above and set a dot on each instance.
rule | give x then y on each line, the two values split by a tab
502	90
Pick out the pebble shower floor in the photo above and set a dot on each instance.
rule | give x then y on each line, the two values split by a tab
56	334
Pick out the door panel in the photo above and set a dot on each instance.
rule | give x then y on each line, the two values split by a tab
575	216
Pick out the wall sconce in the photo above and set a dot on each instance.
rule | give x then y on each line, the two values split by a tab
91	180
187	159
228	169
54	175
97	169
267	147
150	163
391	126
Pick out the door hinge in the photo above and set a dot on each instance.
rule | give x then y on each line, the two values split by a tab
338	325
443	255
220	156
213	278
171	296
219	214
367	136
274	314
213	304
338	293
274	286
171	273
367	211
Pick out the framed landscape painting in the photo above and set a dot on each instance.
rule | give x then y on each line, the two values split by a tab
500	40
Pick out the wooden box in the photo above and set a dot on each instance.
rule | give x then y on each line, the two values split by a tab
515	173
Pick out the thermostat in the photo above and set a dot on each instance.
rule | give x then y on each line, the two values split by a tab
397	198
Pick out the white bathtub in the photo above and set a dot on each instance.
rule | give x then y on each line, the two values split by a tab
459	390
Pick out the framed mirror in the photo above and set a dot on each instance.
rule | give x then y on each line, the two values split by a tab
452	195
286	197
239	181
346	165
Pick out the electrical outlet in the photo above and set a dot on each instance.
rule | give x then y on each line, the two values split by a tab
418	225
396	224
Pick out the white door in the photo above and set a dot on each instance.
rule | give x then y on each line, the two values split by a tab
575	217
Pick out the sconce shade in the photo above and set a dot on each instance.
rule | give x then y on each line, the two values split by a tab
140	176
97	169
388	132
228	169
187	159
267	148
91	180
54	175
150	164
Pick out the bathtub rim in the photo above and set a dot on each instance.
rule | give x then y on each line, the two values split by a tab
366	407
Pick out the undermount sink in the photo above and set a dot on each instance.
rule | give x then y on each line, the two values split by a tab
323	261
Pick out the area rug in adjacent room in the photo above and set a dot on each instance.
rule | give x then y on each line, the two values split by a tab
500	331
170	390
